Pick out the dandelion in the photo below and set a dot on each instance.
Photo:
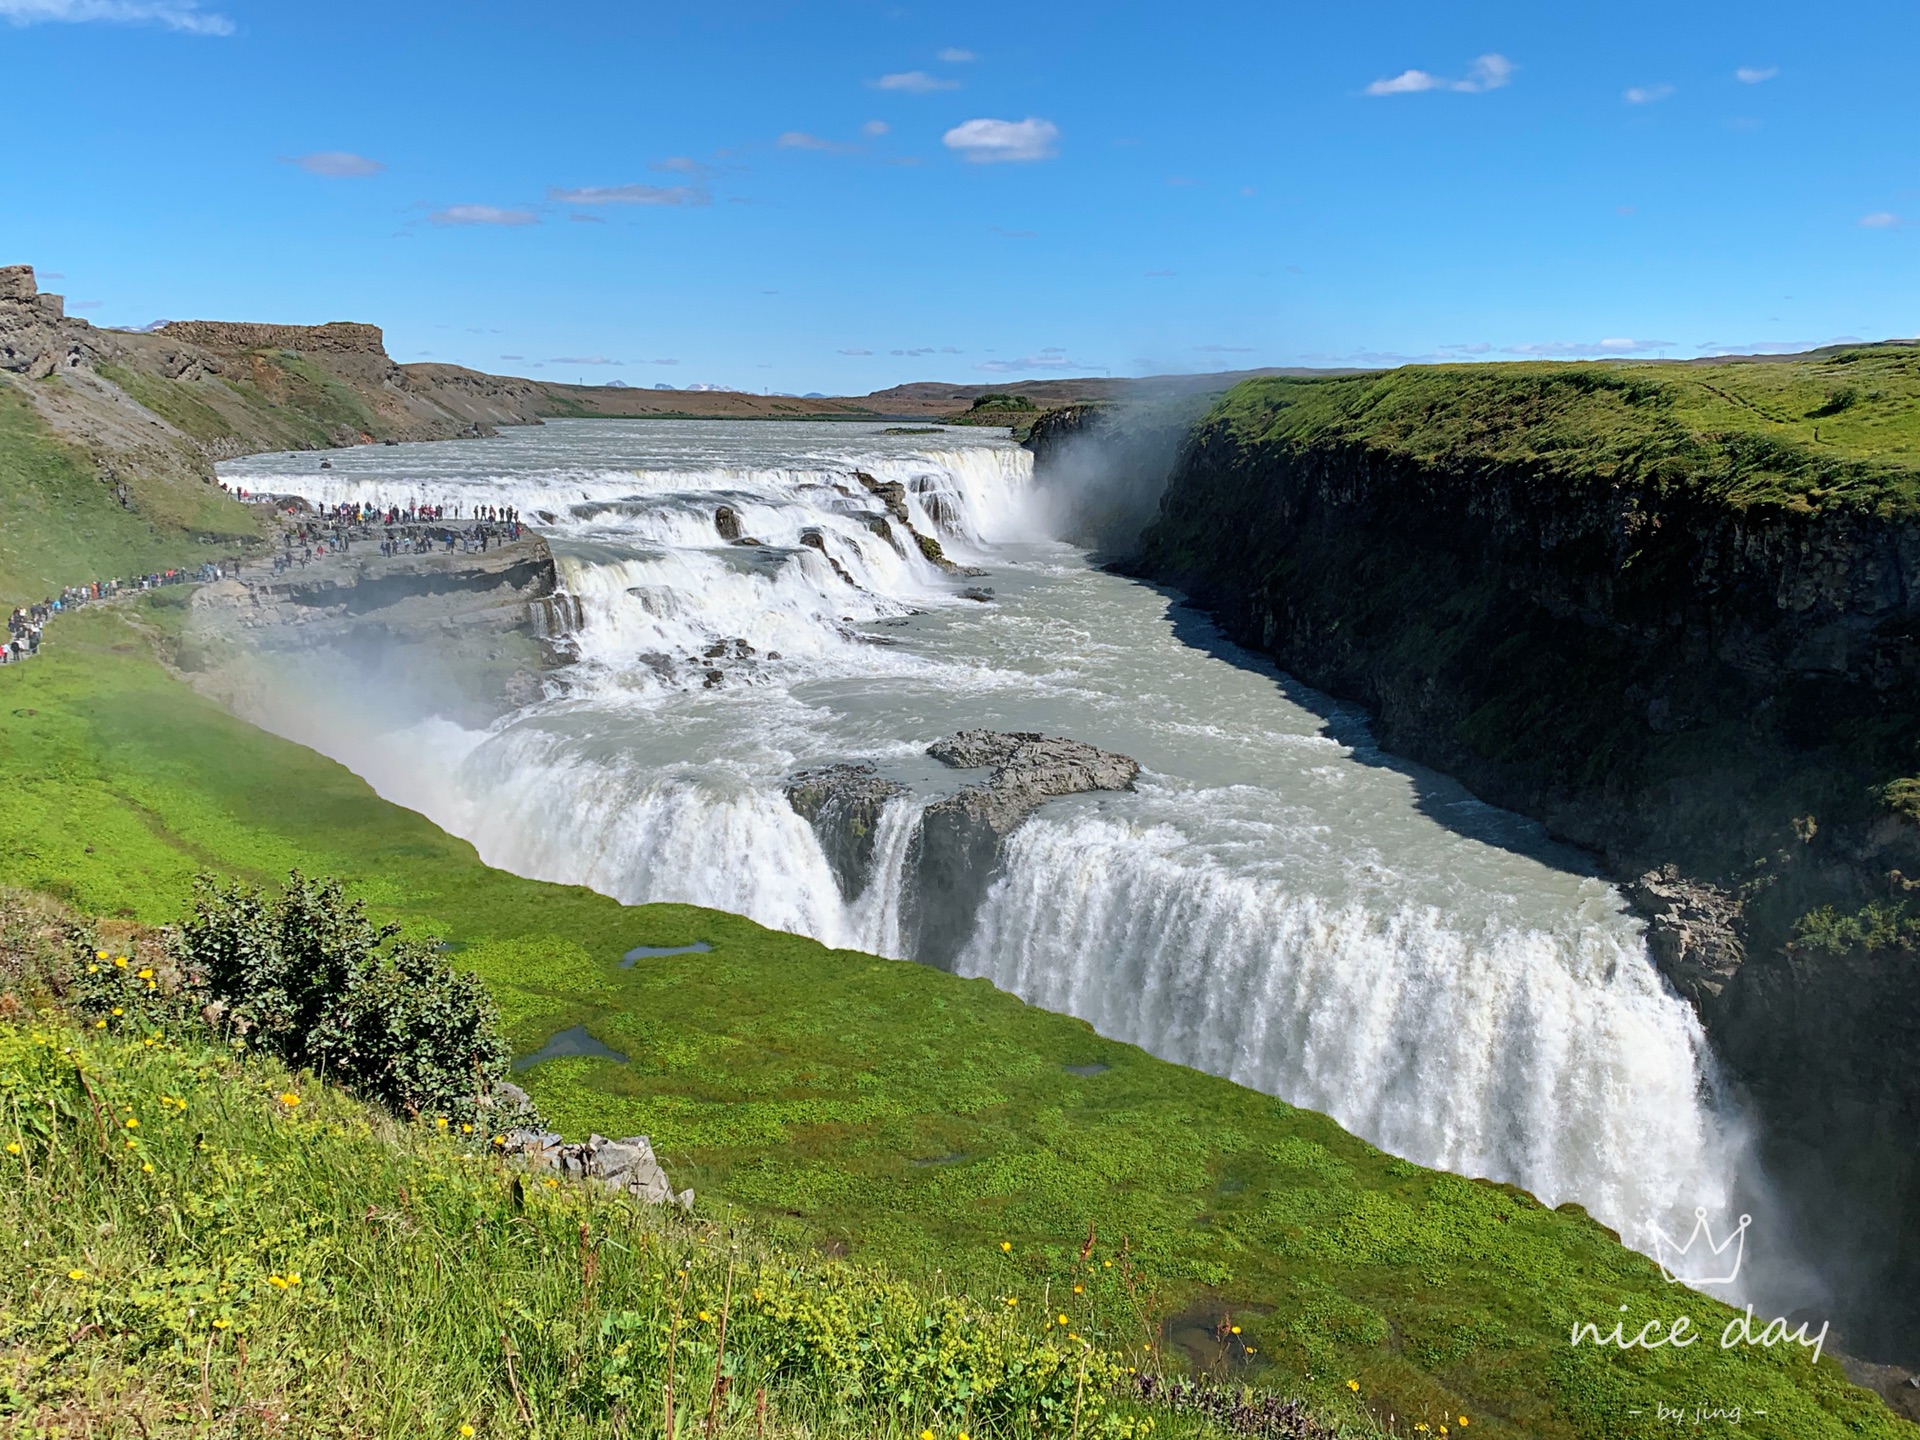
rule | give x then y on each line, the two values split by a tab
1062	1320
119	962
76	1274
132	1144
1107	1263
132	1124
705	1318
466	1431
99	1024
1354	1385
1013	1300
1006	1245
221	1324
146	974
1079	1289
1236	1329
93	969
466	1129
118	1011
13	1147
99	954
552	1184
289	1099
1463	1422
147	1168
441	1121
926	1435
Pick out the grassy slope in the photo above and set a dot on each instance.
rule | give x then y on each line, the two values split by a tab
60	524
220	1248
1746	431
795	1079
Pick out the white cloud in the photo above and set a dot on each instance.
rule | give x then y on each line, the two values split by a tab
579	219
801	140
1224	349
585	360
631	195
953	55
335	164
1051	358
914	82
482	215
1880	220
1488	72
182	15
1647	94
989	141
683	164
1755	74
1613	345
666	362
856	352
875	127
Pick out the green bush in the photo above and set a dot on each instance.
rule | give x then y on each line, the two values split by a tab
308	978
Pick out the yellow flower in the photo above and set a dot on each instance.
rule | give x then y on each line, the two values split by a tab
118	1011
289	1099
1107	1263
13	1147
1236	1329
441	1122
1354	1385
1063	1320
99	1024
99	954
119	962
146	974
926	1435
1013	1299
132	1124
1079	1289
93	969
1463	1420
1006	1245
221	1324
76	1274
552	1184
147	1168
132	1144
293	1277
705	1317
466	1129
466	1430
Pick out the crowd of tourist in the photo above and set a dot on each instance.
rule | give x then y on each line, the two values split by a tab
25	623
409	529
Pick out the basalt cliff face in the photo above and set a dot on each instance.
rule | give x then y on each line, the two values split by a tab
1695	651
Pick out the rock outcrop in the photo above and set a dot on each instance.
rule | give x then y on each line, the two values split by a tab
628	1166
957	849
843	804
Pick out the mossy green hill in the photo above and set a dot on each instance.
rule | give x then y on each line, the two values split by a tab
904	1117
1833	428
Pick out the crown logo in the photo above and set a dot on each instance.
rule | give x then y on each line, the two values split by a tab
1712	1264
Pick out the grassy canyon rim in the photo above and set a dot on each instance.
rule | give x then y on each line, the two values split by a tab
801	1084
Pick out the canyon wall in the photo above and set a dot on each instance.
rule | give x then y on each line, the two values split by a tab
1695	652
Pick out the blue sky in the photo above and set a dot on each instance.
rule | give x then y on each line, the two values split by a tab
842	196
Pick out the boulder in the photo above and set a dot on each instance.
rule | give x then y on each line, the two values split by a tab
628	1165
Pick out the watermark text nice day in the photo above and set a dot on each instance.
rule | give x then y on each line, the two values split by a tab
1713	1263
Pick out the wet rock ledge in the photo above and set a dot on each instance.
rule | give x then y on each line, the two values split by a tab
956	847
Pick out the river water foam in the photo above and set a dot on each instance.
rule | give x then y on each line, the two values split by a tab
1277	902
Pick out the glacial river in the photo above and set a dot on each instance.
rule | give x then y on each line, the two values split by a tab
1277	902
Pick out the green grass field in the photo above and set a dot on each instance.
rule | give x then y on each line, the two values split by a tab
1837	428
901	1116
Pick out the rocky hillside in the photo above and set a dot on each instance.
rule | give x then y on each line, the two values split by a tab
108	438
1670	610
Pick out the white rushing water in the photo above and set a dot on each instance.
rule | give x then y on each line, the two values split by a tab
1277	902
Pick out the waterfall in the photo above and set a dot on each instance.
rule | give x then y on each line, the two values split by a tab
1272	905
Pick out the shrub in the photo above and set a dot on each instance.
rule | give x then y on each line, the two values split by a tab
308	977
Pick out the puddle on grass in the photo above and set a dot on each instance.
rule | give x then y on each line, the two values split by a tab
952	1157
570	1045
654	952
1205	1333
1086	1069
